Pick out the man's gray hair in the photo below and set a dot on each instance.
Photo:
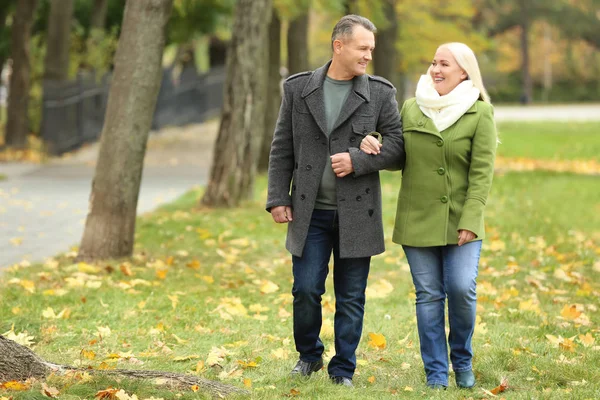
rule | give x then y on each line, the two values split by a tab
343	29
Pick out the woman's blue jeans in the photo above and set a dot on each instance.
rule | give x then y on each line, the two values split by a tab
438	273
349	283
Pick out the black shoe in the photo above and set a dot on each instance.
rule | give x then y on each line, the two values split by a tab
305	368
342	380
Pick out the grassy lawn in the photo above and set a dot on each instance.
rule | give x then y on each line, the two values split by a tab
212	287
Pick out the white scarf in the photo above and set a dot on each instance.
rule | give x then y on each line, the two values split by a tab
447	109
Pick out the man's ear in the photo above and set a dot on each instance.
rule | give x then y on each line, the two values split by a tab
337	46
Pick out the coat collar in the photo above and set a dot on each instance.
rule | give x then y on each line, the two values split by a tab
313	96
360	83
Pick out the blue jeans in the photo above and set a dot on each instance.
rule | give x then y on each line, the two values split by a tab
349	283
438	273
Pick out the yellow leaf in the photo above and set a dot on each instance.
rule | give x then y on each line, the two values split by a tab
530	305
408	389
258	308
126	270
200	366
15	386
16	241
23	338
377	340
267	287
283	313
28	285
187	358
161	273
179	340
497	245
371	379
194	264
280	353
208	279
587	340
108	393
174	300
89	354
570	312
48	391
217	356
49	313
380	289
170	260
248	382
195	388
103	331
568	345
87	268
501	388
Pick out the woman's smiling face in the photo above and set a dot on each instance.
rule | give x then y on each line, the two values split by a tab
445	72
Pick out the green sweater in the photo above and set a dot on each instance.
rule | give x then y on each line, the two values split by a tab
447	176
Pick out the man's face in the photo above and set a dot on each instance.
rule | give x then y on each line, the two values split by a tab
354	52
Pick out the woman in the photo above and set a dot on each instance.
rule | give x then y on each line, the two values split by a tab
450	142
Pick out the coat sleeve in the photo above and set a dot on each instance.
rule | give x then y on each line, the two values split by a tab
281	157
481	173
392	155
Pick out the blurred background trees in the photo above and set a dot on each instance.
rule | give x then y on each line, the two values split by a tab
529	50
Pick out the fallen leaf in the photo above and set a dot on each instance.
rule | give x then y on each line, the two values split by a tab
371	379
377	340
48	391
15	386
500	388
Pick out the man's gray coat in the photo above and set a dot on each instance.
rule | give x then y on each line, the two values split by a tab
301	149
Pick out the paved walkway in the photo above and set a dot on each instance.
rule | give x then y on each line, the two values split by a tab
43	207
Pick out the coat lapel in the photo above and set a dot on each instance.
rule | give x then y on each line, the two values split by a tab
358	95
313	96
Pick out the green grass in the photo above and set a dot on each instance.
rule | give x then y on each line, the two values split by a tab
541	255
2	177
550	140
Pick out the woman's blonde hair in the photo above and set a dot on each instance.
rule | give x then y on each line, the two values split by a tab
468	62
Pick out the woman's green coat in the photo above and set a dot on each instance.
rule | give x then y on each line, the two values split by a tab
447	176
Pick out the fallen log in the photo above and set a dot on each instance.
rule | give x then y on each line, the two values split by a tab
19	363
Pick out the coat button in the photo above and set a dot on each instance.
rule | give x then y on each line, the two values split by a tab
367	191
308	167
302	197
420	123
441	170
353	139
444	199
365	131
317	137
358	198
440	143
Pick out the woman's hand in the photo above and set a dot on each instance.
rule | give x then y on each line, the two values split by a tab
370	145
465	236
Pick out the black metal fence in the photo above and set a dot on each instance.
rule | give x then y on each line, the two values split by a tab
73	112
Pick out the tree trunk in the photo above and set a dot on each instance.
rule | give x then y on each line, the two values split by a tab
273	90
18	363
4	11
98	20
56	64
110	225
20	80
297	42
527	88
242	119
385	56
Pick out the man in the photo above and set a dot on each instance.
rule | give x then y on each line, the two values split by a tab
335	200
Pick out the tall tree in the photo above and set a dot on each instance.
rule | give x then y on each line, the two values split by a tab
297	44
273	89
6	8
56	63
527	84
110	224
385	56
20	80
99	11
242	119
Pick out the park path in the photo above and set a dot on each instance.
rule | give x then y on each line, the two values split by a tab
43	207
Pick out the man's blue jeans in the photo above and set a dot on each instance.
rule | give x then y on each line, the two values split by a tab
349	283
439	273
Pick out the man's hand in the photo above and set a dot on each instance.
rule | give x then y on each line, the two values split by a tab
282	214
342	164
370	145
464	236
